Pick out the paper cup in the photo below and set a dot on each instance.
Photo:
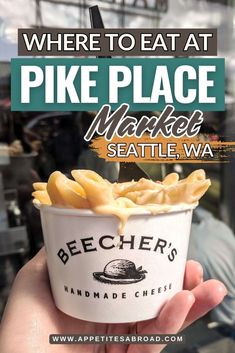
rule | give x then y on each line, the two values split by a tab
97	275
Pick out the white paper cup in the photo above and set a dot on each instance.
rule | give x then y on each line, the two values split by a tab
95	274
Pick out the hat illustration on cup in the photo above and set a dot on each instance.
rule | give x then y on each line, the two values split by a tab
120	271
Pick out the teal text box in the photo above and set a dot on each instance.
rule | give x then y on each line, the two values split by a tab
101	90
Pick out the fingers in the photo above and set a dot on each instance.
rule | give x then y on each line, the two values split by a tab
35	270
37	263
169	321
30	297
193	275
30	283
40	257
207	296
117	329
172	315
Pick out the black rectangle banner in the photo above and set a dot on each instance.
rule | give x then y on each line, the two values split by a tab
117	42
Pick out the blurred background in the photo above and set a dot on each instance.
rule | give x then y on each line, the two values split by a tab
34	144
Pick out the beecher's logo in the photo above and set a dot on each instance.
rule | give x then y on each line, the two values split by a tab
120	271
82	245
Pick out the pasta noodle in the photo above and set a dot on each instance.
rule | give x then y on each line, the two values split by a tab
40	186
171	179
98	190
41	196
65	192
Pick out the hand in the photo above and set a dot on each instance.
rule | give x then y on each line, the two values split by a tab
31	316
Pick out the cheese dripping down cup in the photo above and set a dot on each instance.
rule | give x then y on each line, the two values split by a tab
116	252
